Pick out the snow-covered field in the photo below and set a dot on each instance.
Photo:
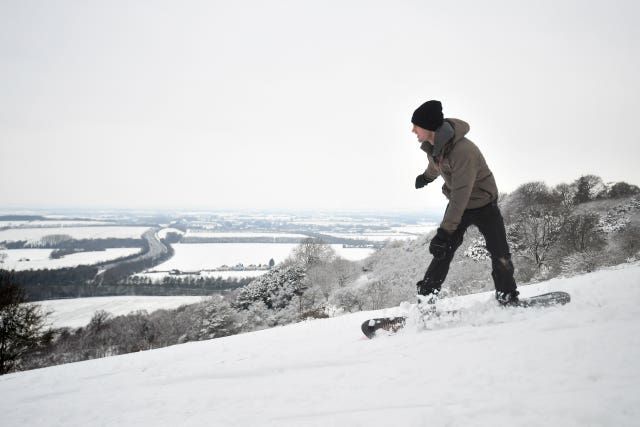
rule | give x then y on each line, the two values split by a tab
576	365
35	234
27	259
395	233
374	237
52	223
243	235
78	312
417	229
207	256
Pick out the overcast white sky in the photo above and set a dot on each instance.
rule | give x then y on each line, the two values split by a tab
305	104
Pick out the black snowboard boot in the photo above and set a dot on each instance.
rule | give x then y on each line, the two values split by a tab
508	298
427	298
427	290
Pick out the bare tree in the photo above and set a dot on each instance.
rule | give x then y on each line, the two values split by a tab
344	271
350	299
565	194
378	295
320	276
581	233
54	239
313	251
535	234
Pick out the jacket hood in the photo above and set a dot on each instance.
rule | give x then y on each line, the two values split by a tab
460	130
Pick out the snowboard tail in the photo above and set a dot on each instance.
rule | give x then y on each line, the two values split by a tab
394	324
391	324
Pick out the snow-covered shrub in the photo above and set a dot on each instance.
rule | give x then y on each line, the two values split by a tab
376	295
213	318
349	299
581	262
477	250
275	288
256	317
580	232
625	243
468	276
622	189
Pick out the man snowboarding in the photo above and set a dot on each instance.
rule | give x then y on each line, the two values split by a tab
473	200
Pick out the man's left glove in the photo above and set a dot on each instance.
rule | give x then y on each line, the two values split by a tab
440	244
421	181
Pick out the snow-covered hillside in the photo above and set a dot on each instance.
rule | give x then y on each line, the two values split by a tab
574	365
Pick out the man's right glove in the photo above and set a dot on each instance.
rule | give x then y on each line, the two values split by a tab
439	245
421	181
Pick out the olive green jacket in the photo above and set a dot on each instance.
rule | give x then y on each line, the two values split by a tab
468	181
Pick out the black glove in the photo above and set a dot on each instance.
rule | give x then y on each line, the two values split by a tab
421	181
440	244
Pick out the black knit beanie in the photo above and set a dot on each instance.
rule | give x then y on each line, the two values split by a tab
428	115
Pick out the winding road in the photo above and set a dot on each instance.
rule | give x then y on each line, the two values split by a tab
156	249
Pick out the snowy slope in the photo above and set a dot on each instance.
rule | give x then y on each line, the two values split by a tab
567	366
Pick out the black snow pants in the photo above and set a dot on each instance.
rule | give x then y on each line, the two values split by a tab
489	221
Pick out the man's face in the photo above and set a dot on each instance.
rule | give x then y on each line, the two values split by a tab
423	135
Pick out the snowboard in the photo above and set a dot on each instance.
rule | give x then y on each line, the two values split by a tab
394	324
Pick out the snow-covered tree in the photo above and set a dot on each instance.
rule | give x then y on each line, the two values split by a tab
377	295
581	262
477	250
349	299
313	251
328	276
275	289
622	189
213	318
589	187
628	239
565	194
580	232
535	234
531	195
21	324
53	240
319	277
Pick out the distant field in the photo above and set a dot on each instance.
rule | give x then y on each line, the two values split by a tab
373	237
243	235
51	223
416	229
78	312
26	259
353	254
98	232
208	256
406	232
